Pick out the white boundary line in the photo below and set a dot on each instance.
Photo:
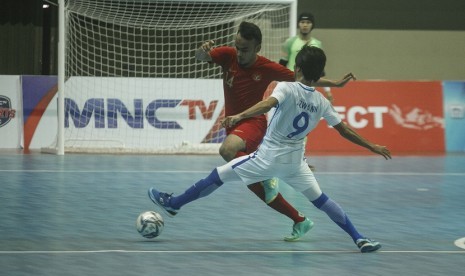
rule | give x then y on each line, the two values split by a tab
163	171
230	251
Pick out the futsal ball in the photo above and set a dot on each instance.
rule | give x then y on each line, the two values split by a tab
150	224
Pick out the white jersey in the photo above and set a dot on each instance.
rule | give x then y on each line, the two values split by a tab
281	153
298	112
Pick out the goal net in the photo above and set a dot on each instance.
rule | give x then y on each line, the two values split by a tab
132	84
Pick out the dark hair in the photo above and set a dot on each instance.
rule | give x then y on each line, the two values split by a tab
307	16
250	31
311	60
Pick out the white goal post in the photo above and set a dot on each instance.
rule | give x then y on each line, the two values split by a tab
129	83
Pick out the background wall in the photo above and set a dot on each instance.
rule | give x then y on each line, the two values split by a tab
21	37
394	54
391	40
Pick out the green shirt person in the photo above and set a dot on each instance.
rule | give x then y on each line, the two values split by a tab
290	48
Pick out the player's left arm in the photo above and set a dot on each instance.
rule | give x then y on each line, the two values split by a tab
322	82
351	135
258	109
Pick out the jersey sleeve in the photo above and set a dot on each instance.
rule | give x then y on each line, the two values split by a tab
317	43
330	115
279	92
286	47
222	55
280	73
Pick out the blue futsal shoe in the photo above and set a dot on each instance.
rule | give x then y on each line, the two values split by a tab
163	201
299	229
271	188
366	245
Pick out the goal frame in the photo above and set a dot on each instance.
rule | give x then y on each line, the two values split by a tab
60	140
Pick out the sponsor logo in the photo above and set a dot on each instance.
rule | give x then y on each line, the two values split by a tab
6	112
373	116
256	77
360	117
415	118
457	112
106	112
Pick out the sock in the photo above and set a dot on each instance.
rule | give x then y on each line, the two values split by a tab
200	189
279	204
336	214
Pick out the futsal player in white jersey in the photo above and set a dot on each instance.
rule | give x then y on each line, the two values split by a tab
281	154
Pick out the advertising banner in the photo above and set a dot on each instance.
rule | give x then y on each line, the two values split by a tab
10	109
407	117
143	114
454	113
39	111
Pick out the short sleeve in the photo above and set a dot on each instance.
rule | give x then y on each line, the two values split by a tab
285	48
278	72
222	55
279	92
317	43
330	115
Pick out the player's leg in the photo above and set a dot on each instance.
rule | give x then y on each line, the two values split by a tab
339	216
308	185
202	188
279	203
235	146
231	145
244	139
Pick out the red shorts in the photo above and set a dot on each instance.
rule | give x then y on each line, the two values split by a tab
251	131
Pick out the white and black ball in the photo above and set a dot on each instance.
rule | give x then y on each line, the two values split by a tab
150	224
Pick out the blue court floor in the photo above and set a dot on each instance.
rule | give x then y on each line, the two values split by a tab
75	215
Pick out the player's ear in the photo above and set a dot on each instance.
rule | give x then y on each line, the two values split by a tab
258	48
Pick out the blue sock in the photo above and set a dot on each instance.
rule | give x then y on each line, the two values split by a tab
200	189
336	214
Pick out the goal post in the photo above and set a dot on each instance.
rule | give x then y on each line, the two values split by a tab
128	79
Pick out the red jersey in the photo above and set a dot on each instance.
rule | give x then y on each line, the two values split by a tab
244	87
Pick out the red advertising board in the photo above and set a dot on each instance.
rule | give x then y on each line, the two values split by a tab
407	117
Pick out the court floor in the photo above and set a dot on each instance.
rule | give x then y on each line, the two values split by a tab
75	215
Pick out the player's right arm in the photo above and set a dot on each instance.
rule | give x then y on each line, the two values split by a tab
203	52
258	109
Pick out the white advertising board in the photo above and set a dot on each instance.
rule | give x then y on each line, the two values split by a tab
10	112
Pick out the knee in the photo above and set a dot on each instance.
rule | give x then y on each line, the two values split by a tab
227	153
214	177
320	201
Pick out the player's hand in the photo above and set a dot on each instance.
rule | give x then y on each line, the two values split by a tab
347	77
382	150
230	121
207	45
203	52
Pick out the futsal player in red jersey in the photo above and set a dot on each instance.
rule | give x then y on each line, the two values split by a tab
246	76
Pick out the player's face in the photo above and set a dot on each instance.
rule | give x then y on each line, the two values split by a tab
246	51
305	26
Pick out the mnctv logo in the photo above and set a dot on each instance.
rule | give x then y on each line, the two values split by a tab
6	112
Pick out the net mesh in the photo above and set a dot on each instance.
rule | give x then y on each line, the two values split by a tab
132	82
